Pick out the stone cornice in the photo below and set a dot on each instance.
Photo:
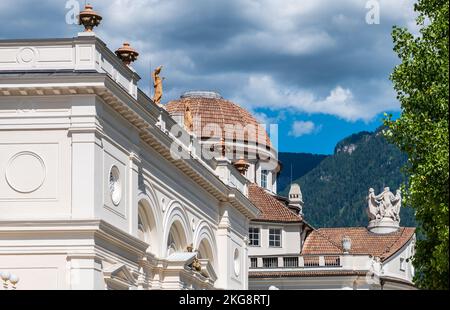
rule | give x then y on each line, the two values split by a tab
75	229
138	115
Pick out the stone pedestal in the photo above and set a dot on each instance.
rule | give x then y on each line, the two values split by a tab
383	226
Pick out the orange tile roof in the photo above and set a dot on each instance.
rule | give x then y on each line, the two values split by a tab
329	241
220	112
272	210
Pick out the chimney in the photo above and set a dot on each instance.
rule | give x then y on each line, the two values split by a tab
346	244
295	199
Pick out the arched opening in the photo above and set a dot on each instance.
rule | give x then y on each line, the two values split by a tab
146	225
176	240
205	251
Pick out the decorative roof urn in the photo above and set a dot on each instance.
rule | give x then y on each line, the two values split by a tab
127	54
241	165
89	18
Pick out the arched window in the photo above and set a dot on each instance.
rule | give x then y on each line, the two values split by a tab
146	226
171	245
141	228
176	240
205	251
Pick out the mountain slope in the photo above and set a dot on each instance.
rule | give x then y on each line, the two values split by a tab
301	163
335	191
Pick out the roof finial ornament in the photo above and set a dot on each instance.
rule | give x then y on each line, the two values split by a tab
127	54
241	165
89	18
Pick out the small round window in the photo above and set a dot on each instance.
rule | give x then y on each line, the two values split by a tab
115	186
237	263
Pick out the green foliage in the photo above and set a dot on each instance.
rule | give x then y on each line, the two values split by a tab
335	191
421	82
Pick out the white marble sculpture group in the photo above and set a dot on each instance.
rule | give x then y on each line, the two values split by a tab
384	205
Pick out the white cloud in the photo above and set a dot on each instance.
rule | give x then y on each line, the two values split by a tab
310	56
263	118
290	43
263	91
301	128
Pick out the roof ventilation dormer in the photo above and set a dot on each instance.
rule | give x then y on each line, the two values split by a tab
296	199
346	244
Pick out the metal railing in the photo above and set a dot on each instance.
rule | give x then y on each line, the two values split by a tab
303	261
270	262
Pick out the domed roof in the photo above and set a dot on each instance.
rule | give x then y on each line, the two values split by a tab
208	107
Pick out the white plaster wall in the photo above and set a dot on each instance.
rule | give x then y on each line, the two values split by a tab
290	240
35	159
305	283
391	267
230	236
76	185
44	272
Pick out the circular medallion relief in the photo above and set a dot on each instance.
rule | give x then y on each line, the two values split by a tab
25	172
237	263
27	55
115	186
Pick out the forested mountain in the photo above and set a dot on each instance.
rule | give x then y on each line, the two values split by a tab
298	164
335	191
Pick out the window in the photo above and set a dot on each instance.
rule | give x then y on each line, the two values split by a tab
270	262
253	262
264	174
274	237
253	235
290	262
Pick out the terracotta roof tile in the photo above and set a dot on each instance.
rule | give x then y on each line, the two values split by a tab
329	241
272	210
221	112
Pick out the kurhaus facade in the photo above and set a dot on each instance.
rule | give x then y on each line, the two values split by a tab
102	187
91	196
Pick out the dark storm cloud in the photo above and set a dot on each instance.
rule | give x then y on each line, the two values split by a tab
323	51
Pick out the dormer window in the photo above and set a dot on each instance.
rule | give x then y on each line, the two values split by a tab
264	174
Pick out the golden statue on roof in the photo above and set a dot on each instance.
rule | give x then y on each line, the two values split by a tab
188	119
157	85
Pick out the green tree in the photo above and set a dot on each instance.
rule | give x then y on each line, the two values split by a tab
421	82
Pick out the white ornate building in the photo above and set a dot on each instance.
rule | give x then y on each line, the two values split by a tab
101	188
376	257
90	194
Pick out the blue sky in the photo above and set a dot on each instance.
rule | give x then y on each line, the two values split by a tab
314	67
